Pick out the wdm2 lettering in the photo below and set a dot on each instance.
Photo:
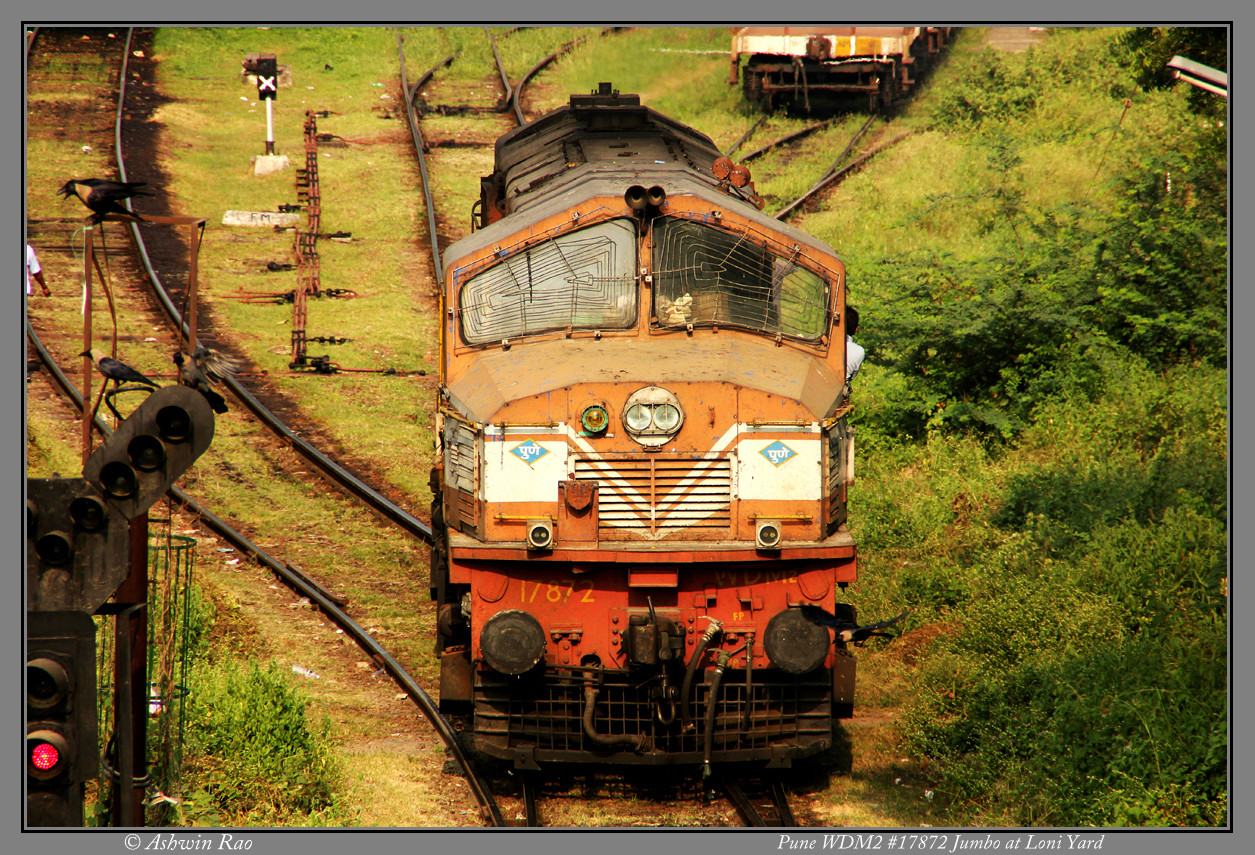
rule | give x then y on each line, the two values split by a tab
832	841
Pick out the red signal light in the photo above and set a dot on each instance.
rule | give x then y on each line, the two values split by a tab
48	752
45	756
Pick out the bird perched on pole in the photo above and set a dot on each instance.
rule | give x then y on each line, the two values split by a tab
846	631
203	368
102	196
115	370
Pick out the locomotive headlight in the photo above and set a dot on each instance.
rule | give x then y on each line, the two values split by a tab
666	417
652	416
638	418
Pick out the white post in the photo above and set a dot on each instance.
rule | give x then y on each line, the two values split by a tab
270	126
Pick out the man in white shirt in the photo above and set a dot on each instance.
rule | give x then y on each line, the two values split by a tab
33	269
854	352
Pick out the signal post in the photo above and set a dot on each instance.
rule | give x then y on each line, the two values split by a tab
87	541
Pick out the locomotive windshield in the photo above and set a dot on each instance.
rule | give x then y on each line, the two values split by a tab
705	276
584	279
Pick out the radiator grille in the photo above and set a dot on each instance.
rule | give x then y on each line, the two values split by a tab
461	473
659	494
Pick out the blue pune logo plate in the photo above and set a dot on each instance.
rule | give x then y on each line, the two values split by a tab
529	452
778	453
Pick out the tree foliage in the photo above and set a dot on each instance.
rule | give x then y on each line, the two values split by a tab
1073	581
1151	48
984	331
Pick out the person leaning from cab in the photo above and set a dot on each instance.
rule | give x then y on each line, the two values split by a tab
854	352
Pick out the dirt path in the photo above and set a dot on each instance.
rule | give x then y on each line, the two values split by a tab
1014	39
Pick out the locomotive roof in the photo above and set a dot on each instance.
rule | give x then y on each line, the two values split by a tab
599	145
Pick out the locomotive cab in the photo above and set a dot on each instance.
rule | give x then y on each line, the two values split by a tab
644	456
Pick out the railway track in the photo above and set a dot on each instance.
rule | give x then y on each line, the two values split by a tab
769	810
841	167
328	603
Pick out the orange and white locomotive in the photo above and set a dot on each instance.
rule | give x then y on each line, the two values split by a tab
643	458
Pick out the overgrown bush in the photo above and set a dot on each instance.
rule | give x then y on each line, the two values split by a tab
1037	281
1082	676
254	757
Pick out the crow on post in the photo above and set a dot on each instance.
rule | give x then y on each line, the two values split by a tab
117	371
102	196
202	369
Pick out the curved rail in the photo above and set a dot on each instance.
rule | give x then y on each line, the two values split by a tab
306	587
328	467
517	96
787	138
511	99
417	136
294	578
836	175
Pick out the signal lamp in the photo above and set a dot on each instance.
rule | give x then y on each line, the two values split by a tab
146	452
88	513
77	545
44	755
48	754
153	447
54	548
60	715
174	424
47	683
118	479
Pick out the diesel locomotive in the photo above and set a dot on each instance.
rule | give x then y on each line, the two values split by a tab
644	453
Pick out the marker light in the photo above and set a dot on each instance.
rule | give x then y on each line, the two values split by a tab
595	419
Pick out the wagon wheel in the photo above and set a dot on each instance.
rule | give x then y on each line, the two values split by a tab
753	86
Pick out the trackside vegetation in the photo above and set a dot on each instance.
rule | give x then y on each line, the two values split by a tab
1044	435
